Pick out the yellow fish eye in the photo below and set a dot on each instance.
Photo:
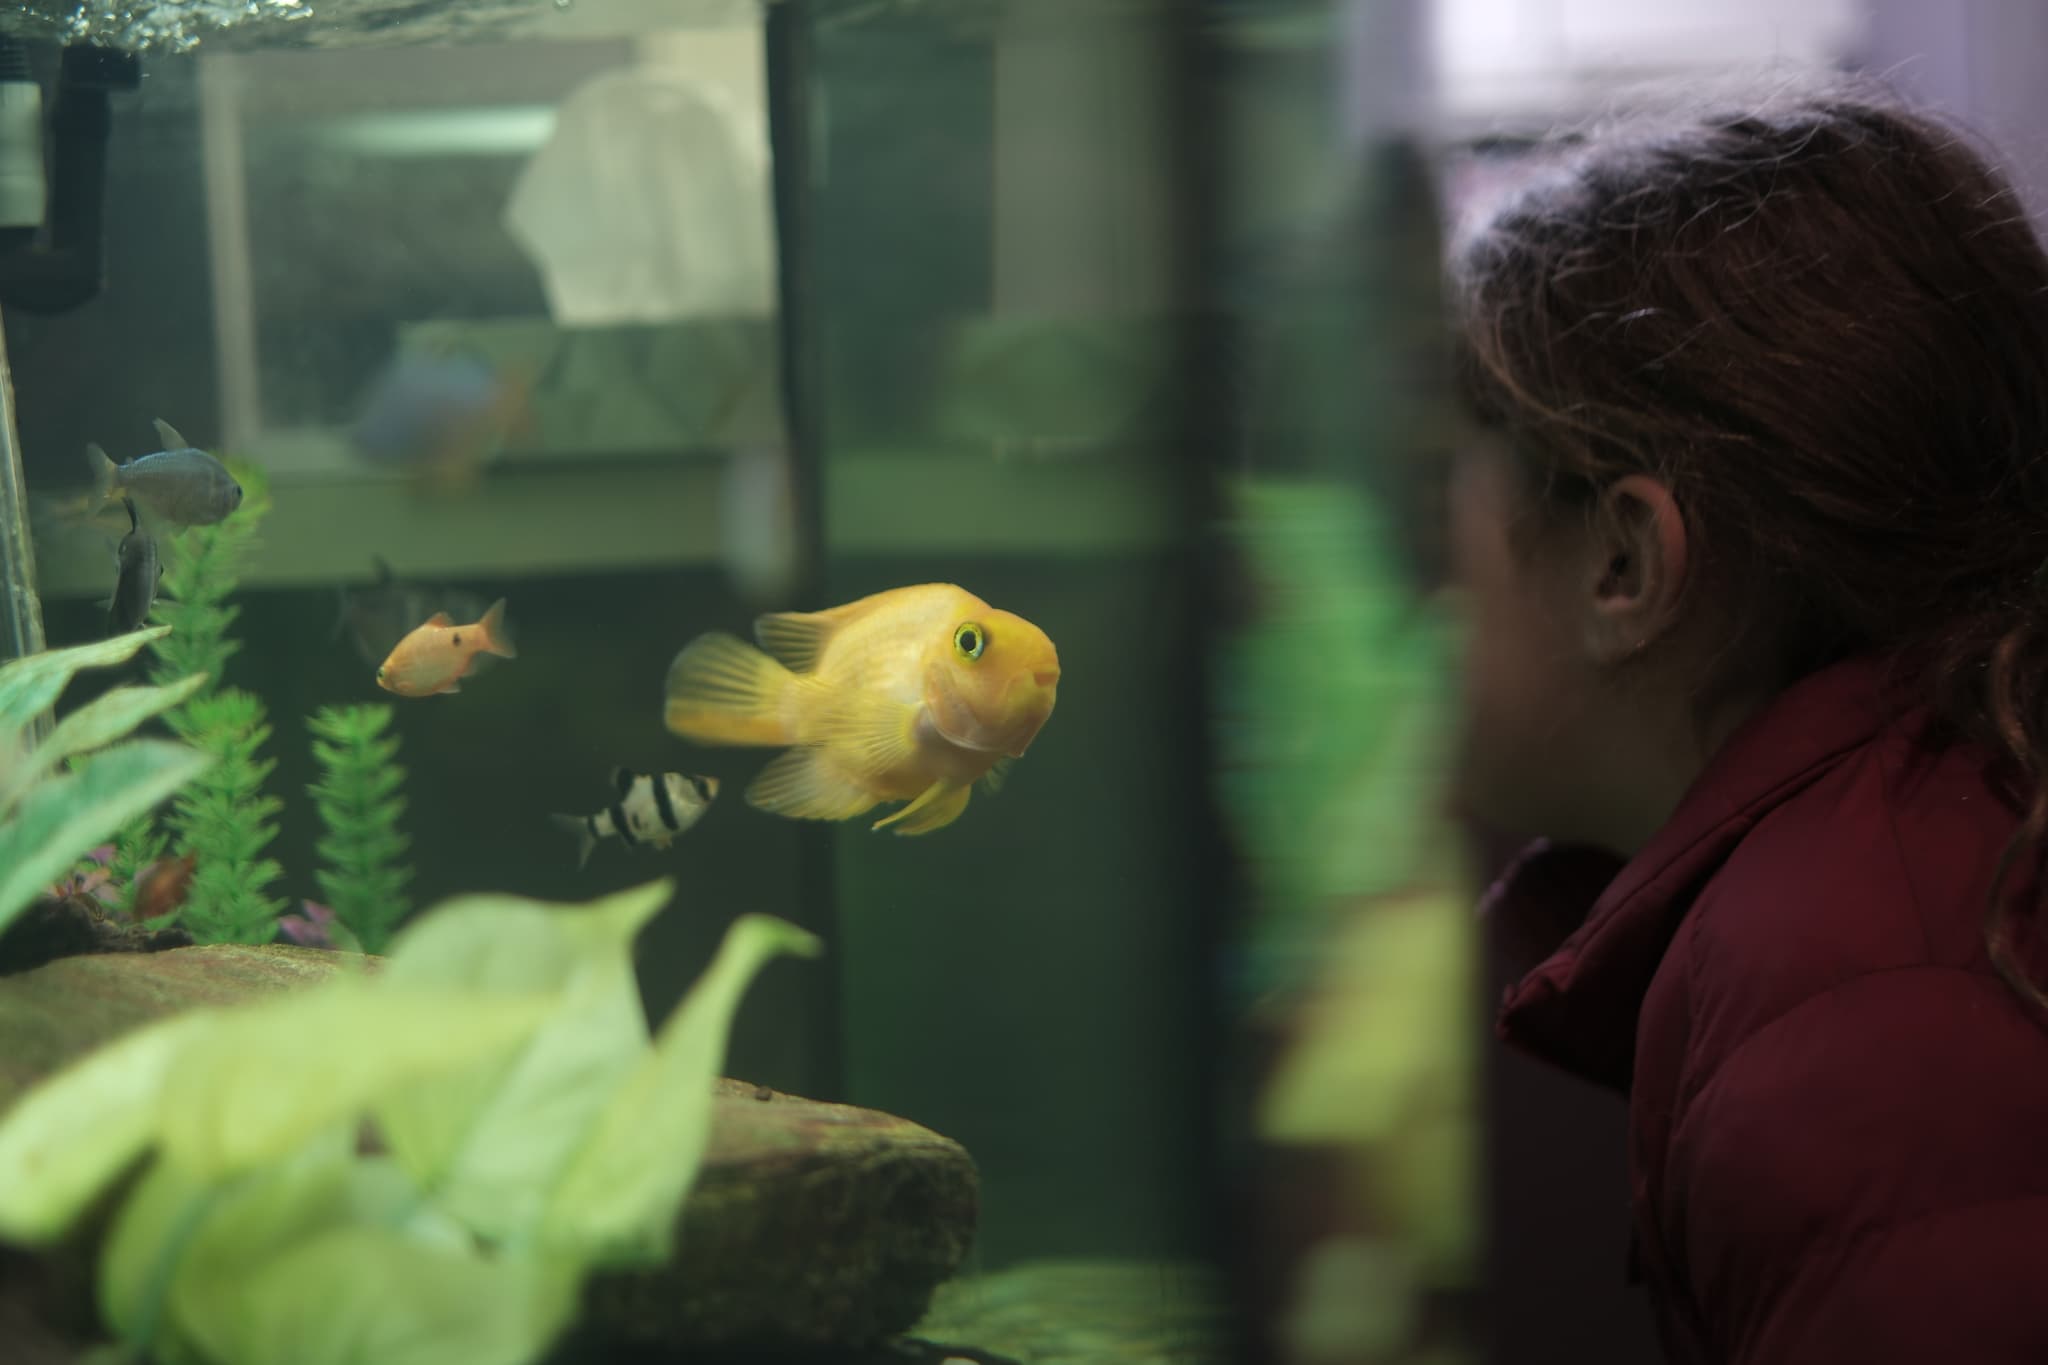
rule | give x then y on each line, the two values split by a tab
970	638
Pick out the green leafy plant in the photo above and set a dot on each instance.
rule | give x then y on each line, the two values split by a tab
225	820
358	797
67	793
530	1131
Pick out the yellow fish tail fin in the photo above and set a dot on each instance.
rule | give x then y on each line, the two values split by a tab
722	690
936	807
804	785
497	635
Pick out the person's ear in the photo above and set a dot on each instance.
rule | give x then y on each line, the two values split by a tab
1633	569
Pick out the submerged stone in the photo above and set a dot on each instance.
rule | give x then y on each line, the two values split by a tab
811	1224
59	1012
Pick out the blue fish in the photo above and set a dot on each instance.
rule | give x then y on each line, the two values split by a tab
138	570
438	415
179	484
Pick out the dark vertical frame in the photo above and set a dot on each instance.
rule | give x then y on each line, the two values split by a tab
1202	445
788	49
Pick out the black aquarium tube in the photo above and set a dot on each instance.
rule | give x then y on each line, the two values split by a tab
788	48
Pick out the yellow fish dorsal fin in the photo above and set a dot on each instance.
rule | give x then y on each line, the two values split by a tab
797	638
936	807
439	618
804	785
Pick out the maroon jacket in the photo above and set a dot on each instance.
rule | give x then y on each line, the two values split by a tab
1838	1115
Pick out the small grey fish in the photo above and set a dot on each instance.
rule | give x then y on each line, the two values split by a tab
376	618
137	573
179	484
650	810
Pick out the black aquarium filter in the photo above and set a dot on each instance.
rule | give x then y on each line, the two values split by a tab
53	174
24	189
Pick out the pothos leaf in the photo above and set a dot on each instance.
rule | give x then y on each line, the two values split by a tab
30	684
111	716
489	1142
69	1136
270	1075
233	1272
62	816
619	1198
366	1295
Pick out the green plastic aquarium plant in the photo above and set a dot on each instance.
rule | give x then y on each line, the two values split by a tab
225	820
360	803
1338	711
1335	715
529	1130
203	567
62	796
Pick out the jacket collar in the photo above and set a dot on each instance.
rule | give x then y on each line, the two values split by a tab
1578	1008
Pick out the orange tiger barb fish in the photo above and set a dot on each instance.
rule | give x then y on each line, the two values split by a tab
914	694
435	657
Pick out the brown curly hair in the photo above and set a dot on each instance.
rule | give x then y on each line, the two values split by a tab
1821	318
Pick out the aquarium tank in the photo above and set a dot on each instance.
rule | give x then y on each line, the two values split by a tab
661	660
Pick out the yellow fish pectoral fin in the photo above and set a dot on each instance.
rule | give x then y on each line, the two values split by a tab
803	785
873	733
936	807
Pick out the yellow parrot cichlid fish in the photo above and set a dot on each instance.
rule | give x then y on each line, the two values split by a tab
913	694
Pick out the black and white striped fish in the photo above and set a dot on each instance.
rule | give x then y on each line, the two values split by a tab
650	809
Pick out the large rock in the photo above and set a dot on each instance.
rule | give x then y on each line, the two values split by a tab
65	1009
811	1224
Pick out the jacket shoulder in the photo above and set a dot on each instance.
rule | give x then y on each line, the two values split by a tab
1867	1165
